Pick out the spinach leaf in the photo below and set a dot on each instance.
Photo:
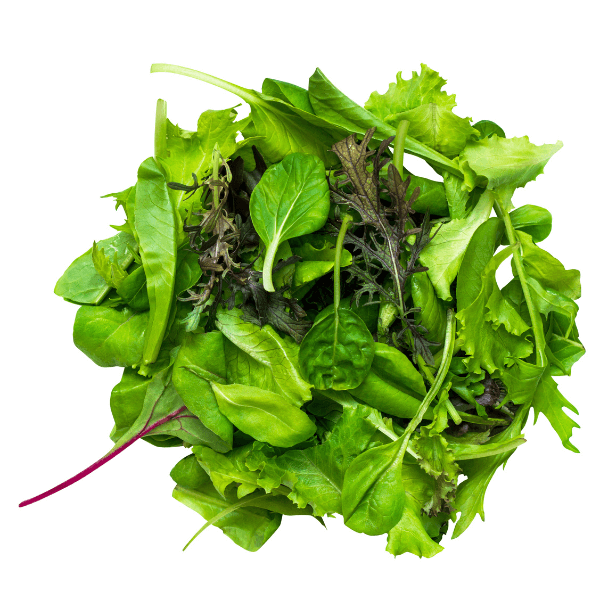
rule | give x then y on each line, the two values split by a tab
393	385
200	360
266	416
279	355
373	495
155	224
338	350
291	199
247	526
81	283
110	337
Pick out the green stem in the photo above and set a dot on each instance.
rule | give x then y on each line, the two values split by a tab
160	130
239	91
399	141
224	513
439	378
339	246
536	322
429	376
268	267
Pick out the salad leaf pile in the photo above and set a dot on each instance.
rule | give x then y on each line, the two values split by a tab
321	328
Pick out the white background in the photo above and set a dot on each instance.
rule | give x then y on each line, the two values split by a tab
77	119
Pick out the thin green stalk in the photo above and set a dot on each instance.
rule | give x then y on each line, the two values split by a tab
224	513
339	247
160	130
399	141
536	322
429	376
439	379
239	91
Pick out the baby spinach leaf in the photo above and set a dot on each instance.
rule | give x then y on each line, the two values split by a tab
200	360
393	385
533	220
110	337
126	401
133	290
338	350
373	494
155	224
247	526
291	199
432	314
278	354
266	416
81	283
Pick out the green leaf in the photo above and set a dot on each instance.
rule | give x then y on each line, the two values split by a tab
133	290
316	261
156	227
289	93
291	199
547	270
504	164
533	220
564	354
337	352
191	151
264	415
126	401
249	527
479	472
432	314
282	127
550	402
110	337
406	94
429	111
200	360
110	269
411	533
277	355
373	495
81	283
444	254
521	381
457	197
316	474
393	385
488	129
489	344
479	252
